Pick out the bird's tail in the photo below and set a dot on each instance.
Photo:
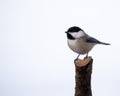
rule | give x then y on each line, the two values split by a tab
104	43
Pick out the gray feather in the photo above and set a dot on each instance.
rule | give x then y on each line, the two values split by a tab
93	40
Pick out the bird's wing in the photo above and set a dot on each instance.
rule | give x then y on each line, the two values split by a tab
92	40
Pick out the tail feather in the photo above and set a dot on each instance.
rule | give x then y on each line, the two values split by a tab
104	43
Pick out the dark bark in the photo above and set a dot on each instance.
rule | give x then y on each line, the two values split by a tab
83	69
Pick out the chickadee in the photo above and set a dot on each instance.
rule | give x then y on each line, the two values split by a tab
80	42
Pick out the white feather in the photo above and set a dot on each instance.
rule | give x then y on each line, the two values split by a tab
80	46
78	34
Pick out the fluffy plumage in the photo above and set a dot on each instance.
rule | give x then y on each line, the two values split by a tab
80	42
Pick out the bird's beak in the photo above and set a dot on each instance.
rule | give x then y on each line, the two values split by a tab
66	32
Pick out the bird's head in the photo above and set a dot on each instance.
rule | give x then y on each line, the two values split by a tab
74	33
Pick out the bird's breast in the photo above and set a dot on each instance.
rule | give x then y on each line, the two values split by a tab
80	46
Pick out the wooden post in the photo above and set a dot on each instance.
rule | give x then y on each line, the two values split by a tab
83	69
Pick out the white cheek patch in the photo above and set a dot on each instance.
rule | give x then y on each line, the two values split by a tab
78	34
74	34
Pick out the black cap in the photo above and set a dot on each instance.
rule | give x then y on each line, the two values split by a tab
74	29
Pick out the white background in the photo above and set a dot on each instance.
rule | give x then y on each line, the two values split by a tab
34	57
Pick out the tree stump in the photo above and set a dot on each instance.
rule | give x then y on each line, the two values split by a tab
83	71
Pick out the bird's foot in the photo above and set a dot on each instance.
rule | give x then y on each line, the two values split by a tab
77	58
86	56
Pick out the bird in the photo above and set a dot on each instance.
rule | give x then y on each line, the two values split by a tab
80	42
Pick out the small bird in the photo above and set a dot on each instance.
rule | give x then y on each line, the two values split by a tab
80	42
